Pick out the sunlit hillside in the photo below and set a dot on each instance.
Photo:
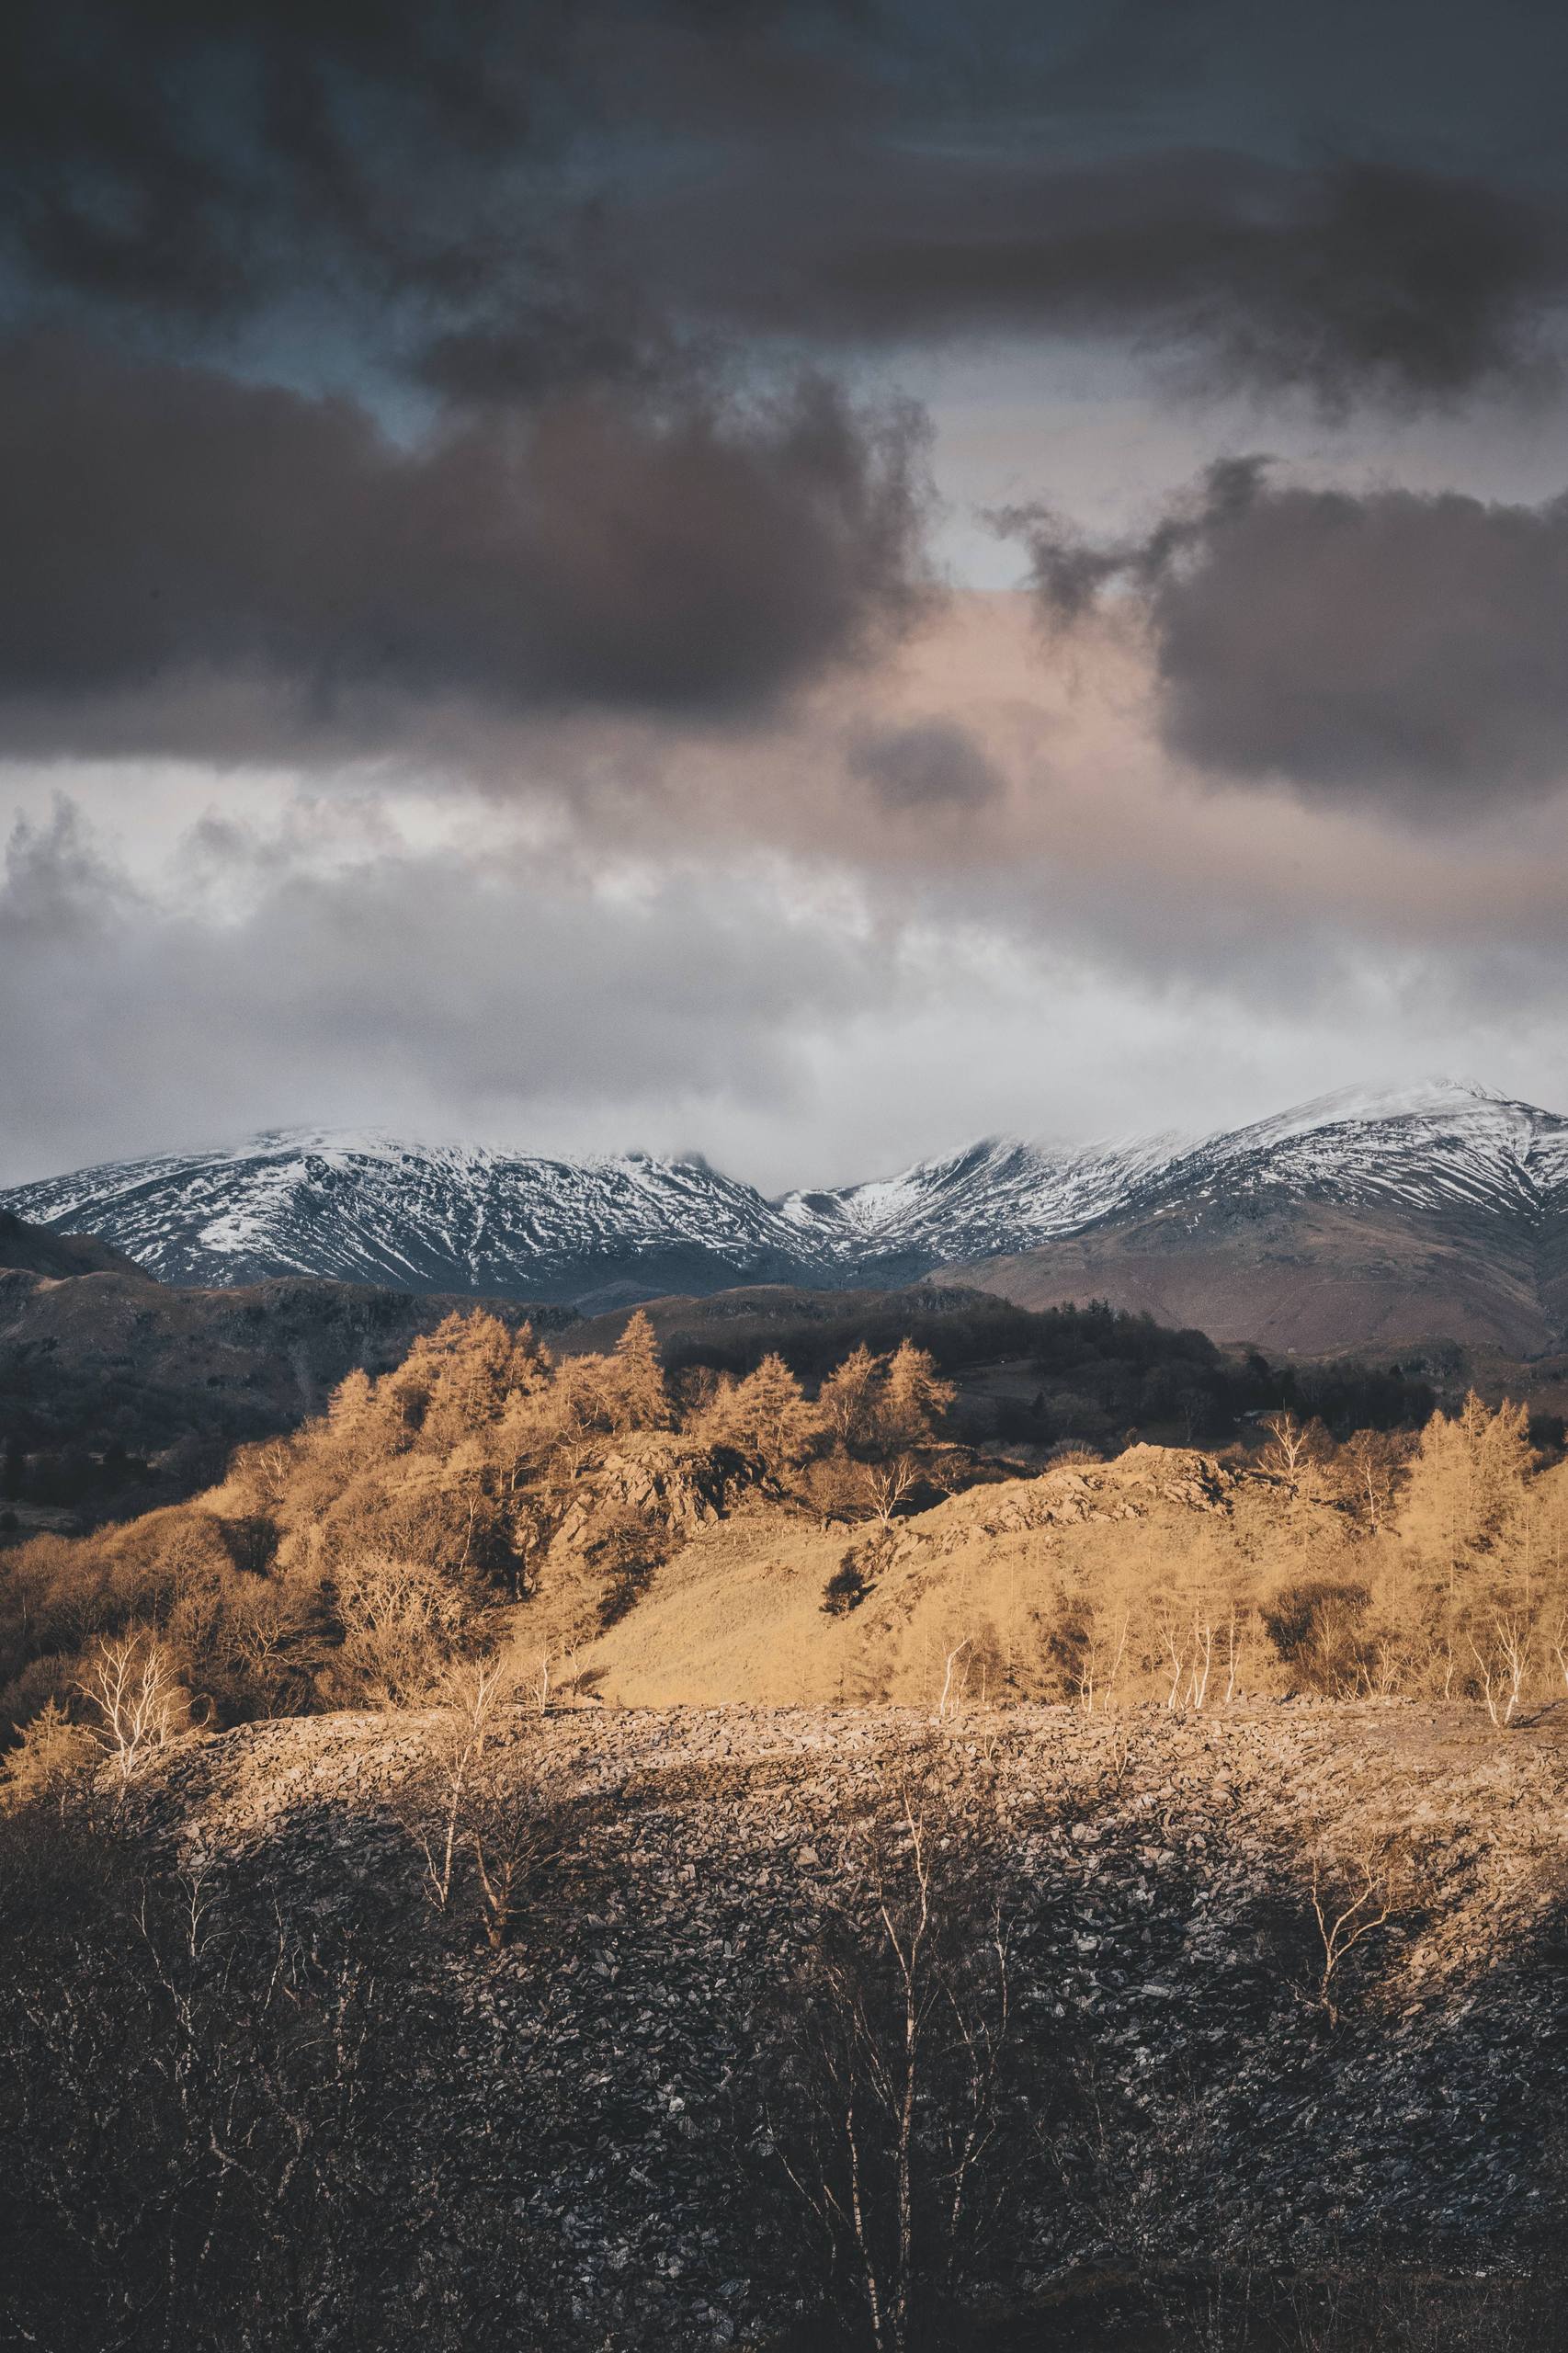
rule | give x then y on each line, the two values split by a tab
612	1536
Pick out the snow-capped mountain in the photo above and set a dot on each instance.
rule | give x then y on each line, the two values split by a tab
464	1218
1000	1195
1444	1144
1430	1213
369	1208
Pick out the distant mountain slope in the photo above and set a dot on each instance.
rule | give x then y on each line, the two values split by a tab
1438	1212
175	1377
38	1250
1435	1210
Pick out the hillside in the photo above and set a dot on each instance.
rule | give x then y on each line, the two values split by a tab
643	1842
602	2124
98	1360
989	1593
1436	1213
751	1540
1309	1277
38	1250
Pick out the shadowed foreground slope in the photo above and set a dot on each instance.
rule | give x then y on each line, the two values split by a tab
284	2097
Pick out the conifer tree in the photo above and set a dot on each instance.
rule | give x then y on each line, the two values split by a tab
914	1396
1467	1491
767	1414
351	1403
641	1398
847	1398
473	1360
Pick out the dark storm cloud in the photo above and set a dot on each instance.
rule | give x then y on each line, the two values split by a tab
196	161
1358	279
1208	181
161	524
169	153
1388	646
363	194
935	764
561	236
518	192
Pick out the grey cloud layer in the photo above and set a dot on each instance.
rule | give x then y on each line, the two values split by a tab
426	987
796	1032
1356	279
1386	645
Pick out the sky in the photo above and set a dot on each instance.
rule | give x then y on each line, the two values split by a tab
796	582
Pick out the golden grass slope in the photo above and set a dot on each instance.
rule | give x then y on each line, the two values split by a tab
1025	1590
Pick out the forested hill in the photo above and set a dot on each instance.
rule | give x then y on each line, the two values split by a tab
117	1391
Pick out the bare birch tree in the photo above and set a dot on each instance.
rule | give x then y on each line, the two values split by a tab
1502	1667
888	2110
135	1696
1353	1897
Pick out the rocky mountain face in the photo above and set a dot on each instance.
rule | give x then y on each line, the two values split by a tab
369	1209
597	1233
634	2052
1439	1211
944	1211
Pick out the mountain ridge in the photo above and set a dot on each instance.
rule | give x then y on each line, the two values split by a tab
359	1205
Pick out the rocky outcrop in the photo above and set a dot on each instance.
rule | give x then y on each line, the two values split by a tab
1136	1484
665	1481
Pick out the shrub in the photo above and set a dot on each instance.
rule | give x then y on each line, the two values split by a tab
846	1589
